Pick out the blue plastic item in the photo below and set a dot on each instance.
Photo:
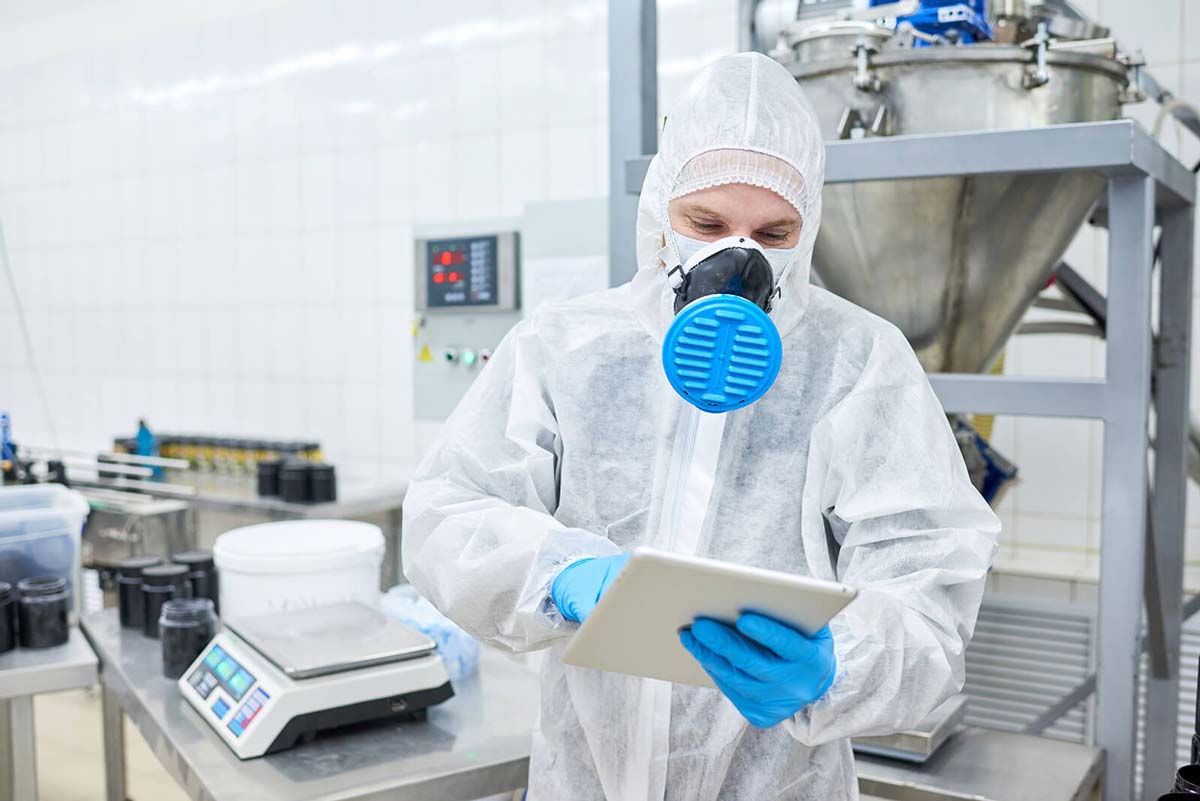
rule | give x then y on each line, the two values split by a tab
721	353
965	21
459	650
768	670
147	445
8	451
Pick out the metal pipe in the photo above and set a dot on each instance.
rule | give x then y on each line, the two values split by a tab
1061	327
124	458
175	490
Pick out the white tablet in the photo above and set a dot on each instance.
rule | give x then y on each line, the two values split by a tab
635	627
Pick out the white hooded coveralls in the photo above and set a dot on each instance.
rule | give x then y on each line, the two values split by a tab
845	470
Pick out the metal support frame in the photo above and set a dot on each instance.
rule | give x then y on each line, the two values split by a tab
19	778
113	726
1145	185
632	116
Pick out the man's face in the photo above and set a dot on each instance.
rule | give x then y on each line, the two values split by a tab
736	210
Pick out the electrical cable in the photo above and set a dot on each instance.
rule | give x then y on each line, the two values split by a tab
27	339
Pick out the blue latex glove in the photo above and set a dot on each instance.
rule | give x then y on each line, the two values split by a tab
579	586
768	670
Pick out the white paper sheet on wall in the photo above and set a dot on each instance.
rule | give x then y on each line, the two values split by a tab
545	280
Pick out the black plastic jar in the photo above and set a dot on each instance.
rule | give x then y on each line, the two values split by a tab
293	481
268	477
8	618
202	574
42	614
1187	779
186	626
322	483
131	608
160	584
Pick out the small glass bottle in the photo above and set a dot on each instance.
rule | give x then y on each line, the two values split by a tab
160	584
186	626
42	615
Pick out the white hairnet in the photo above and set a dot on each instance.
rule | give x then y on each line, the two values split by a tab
740	108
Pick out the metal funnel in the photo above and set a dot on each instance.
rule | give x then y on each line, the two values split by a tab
954	262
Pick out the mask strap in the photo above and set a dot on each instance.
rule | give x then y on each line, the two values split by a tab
675	277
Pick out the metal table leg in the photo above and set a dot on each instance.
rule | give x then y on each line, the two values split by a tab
114	746
393	571
18	753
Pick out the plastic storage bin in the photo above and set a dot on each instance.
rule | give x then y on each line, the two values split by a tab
297	564
40	527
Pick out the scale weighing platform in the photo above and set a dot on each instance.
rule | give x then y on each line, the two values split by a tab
266	681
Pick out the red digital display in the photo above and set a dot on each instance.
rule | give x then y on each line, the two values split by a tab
454	277
449	257
438	278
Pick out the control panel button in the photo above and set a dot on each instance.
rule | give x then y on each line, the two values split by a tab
450	355
220	709
468	357
214	656
485	355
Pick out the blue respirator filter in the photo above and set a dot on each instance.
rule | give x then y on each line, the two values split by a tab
721	353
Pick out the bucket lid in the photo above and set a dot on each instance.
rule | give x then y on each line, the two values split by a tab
297	546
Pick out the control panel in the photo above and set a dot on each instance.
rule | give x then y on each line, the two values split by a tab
225	688
467	273
466	300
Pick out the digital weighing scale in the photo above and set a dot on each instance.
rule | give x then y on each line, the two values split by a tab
266	681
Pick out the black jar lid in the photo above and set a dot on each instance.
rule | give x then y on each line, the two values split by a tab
132	566
293	467
194	559
5	590
163	575
321	469
37	586
268	466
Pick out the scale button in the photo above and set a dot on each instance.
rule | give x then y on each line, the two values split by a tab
220	709
241	682
236	728
214	656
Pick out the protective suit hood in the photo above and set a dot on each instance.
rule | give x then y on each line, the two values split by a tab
749	108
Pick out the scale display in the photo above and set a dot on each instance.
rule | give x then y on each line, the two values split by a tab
462	272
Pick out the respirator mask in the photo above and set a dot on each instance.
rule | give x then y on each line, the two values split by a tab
722	351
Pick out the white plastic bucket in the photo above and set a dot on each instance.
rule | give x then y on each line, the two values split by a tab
297	564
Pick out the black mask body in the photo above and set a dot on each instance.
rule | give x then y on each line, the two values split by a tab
733	271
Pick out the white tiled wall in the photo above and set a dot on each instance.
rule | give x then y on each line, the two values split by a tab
209	210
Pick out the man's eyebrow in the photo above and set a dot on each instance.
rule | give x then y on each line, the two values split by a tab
703	210
781	223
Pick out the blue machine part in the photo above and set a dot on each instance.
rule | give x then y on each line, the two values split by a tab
721	353
963	20
7	451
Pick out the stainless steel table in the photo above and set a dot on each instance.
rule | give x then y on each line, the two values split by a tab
475	744
25	673
984	765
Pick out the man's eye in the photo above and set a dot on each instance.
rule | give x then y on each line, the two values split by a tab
772	236
703	226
